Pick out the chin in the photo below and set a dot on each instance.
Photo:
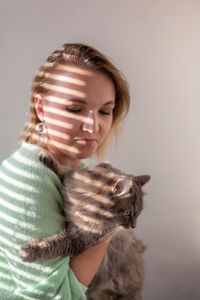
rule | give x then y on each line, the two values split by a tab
85	154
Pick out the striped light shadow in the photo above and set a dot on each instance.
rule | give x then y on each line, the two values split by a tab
17	235
4	275
21	294
64	147
92	208
16	186
58	123
55	100
63	85
74	69
64	124
89	199
23	287
87	219
63	113
33	291
10	167
21	272
16	183
98	198
16	221
7	243
34	267
5	287
64	90
25	160
63	78
16	196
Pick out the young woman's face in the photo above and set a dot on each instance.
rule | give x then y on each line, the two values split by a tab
78	112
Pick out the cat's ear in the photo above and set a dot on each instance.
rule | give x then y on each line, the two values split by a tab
122	186
142	179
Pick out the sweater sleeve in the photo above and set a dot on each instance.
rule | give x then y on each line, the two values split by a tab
31	206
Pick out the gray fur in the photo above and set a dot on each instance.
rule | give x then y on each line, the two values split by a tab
98	200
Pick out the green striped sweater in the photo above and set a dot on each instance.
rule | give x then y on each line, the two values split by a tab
31	206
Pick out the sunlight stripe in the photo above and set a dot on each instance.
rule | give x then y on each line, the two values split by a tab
4	266
74	69
5	287
93	208
64	113
25	274
16	196
20	172
20	158
17	209
17	235
59	134
33	266
5	276
17	221
64	147
58	100
67	91
58	123
22	296
63	78
16	183
9	243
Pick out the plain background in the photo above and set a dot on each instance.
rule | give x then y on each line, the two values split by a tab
156	44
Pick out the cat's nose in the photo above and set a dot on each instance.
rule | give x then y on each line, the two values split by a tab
133	223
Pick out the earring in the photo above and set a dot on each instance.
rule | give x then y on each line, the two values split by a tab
41	131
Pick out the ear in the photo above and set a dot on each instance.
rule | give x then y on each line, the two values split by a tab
39	106
122	186
142	179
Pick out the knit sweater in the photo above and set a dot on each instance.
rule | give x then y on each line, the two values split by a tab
31	207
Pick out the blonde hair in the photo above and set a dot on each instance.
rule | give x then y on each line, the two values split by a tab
80	54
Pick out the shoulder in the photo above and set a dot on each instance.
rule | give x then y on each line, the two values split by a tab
24	174
24	163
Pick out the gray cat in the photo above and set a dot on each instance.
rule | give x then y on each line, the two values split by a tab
98	201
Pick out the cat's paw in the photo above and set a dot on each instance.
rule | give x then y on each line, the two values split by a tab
30	252
46	158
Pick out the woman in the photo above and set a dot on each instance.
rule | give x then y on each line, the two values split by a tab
79	98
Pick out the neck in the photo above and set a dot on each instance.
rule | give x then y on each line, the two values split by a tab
62	158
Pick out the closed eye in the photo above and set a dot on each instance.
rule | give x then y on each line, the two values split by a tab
103	112
74	110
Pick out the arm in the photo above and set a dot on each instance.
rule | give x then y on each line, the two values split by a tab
86	264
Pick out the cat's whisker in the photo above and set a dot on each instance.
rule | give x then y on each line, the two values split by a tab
112	232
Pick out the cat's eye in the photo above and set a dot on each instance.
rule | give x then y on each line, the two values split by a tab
127	213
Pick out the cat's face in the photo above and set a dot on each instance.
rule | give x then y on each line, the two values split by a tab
101	197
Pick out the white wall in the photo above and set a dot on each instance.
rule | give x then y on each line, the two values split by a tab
156	45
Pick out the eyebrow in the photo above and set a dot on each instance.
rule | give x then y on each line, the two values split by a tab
84	102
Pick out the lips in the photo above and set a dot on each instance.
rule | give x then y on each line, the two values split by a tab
86	141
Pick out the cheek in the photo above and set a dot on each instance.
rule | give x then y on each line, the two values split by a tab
60	127
106	126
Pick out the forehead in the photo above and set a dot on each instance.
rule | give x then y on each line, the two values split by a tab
70	82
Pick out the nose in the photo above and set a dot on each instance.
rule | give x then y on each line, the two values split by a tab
90	123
